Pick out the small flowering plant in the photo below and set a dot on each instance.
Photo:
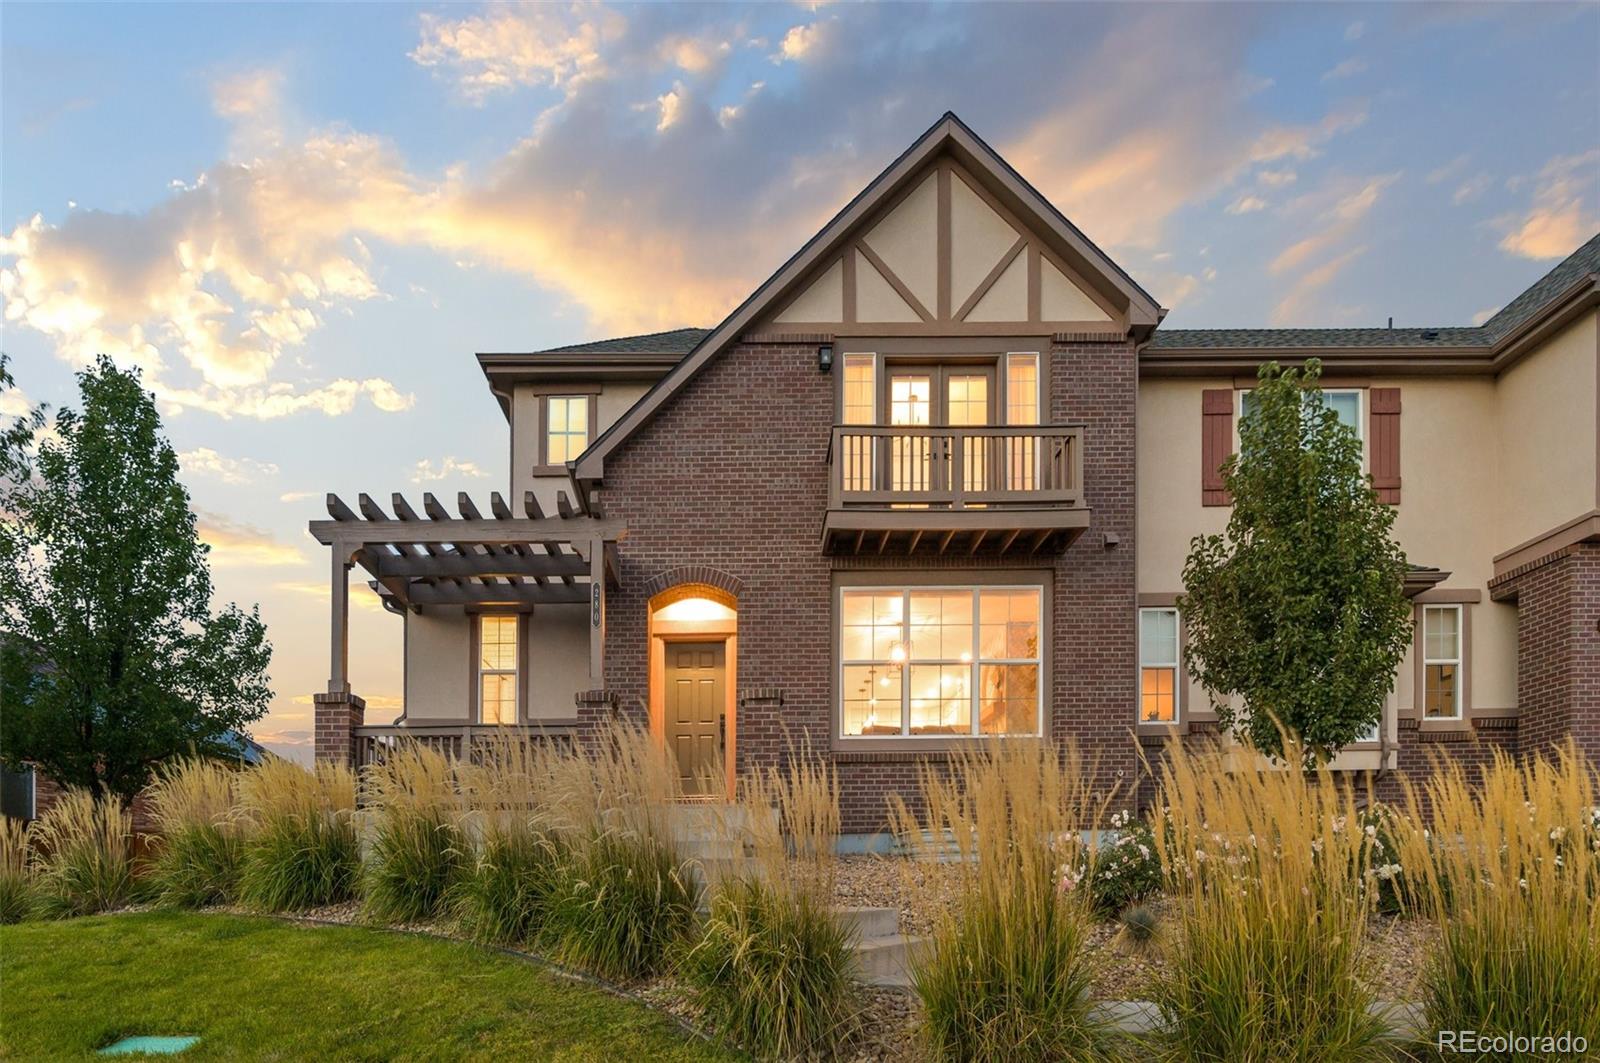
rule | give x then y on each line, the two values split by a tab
1123	870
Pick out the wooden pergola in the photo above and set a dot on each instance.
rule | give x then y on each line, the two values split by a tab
434	559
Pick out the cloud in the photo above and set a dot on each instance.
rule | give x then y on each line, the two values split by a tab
801	41
220	287
203	461
1342	207
1470	189
1348	68
1354	31
1305	141
235	545
14	402
1276	178
1246	204
427	472
298	496
1293	307
555	45
374	701
1484	315
360	595
1563	213
1449	170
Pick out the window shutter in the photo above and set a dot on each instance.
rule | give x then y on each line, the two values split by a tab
1385	435
1216	443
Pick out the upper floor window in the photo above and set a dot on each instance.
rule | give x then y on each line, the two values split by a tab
1441	662
860	399
497	668
1022	388
1158	666
1344	402
940	661
566	427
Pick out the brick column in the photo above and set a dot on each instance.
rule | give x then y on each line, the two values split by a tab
759	734
1558	648
336	717
595	709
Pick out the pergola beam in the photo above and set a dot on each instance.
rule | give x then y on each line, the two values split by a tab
495	594
471	566
479	532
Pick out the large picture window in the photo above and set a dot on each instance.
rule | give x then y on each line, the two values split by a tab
497	669
1344	402
940	661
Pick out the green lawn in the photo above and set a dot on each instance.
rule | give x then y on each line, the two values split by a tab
263	989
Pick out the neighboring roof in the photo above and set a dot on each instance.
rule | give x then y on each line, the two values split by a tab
1577	271
949	133
673	341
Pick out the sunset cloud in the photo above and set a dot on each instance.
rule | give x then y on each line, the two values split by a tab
1563	214
203	461
235	545
427	472
555	45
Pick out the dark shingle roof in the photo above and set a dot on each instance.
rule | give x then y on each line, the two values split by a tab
1319	337
1581	263
674	341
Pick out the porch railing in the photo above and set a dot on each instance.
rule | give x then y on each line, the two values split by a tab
458	741
954	468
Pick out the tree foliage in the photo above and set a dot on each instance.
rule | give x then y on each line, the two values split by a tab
112	658
1296	614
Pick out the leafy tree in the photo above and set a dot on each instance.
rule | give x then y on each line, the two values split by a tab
1297	610
112	659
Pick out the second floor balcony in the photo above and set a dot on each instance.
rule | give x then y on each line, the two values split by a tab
1000	488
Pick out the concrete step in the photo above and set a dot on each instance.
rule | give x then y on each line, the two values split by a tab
867	923
887	961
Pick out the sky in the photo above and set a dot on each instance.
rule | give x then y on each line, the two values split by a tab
301	221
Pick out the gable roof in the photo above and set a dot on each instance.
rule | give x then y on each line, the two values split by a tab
948	134
1572	284
673	341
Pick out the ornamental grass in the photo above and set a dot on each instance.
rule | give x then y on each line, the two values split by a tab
1507	859
504	896
418	853
773	966
1266	862
200	842
625	895
85	861
1006	973
16	871
301	849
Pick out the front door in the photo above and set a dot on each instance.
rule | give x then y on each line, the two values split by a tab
696	701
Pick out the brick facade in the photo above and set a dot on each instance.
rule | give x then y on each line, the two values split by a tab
1558	647
334	719
731	475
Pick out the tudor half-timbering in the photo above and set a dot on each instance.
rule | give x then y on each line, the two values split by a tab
932	484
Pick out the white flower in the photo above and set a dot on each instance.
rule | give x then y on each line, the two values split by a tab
1558	833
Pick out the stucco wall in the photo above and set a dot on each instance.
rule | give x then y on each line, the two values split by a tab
615	397
558	660
438	646
1448	516
1547	435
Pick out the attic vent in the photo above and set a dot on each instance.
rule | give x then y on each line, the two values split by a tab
1430	333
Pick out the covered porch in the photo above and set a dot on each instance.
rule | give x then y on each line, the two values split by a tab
506	562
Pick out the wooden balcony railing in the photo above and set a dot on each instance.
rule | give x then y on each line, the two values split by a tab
457	741
956	468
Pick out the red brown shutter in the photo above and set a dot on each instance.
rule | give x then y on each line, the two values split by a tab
1385	443
1216	443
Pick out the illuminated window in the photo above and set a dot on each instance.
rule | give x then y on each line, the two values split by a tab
566	427
1441	662
860	406
497	669
940	661
1022	407
1158	665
